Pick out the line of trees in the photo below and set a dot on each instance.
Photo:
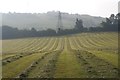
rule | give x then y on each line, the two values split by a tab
9	32
111	24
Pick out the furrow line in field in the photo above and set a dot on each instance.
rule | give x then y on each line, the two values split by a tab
96	66
43	67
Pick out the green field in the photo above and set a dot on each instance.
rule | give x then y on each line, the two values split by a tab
85	55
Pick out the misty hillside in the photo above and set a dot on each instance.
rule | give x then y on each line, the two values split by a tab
42	21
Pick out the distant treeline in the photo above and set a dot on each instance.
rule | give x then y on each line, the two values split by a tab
111	24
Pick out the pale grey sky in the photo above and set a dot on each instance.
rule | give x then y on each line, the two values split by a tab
92	7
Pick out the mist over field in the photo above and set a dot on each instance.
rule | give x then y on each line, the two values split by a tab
42	21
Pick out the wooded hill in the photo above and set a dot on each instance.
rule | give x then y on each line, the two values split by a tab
43	21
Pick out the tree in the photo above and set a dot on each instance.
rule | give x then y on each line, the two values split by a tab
33	32
50	32
118	16
111	23
79	25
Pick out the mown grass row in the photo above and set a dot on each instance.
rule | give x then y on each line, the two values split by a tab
67	65
96	66
82	55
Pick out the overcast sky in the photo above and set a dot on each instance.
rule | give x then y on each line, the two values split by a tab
92	7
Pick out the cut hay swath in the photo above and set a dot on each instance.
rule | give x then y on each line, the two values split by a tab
84	55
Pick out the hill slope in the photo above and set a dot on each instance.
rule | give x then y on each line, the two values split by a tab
47	20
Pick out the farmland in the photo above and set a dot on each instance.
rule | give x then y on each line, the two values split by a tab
85	55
